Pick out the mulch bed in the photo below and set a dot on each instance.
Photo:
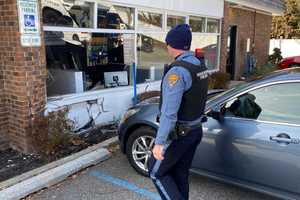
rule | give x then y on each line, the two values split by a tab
13	163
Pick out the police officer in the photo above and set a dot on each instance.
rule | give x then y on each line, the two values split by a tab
184	91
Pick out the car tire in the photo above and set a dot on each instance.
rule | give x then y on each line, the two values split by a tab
136	136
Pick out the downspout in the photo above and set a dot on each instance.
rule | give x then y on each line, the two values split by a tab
254	32
250	59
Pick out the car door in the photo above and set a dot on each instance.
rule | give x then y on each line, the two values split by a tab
258	142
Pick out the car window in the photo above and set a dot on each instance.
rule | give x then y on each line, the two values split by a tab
232	90
276	103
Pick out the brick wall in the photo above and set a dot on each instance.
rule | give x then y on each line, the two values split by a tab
224	35
251	25
244	20
3	109
262	38
23	75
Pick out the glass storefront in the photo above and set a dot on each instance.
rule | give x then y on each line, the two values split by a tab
110	16
197	24
210	48
79	62
76	13
150	20
93	45
173	20
213	25
152	55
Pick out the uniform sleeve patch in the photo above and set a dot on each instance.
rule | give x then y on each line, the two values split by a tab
172	79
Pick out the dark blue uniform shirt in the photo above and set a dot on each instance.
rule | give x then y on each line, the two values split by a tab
175	83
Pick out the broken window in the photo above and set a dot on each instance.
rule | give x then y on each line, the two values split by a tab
150	20
74	13
115	17
79	62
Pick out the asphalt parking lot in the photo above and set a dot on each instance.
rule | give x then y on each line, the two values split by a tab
114	179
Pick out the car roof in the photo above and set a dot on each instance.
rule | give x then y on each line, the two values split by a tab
288	74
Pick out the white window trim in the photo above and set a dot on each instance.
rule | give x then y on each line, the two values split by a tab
73	98
220	46
114	3
135	31
164	14
86	30
206	34
95	15
205	28
165	25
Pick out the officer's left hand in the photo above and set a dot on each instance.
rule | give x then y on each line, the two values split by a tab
158	152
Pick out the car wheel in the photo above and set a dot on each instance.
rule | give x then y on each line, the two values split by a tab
139	148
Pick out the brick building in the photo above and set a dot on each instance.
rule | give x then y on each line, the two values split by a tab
246	32
22	80
85	49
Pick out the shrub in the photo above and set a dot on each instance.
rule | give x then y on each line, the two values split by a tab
263	70
52	133
219	80
275	57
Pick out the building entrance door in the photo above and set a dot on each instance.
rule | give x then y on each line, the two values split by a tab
231	51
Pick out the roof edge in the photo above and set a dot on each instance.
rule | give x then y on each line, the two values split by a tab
274	8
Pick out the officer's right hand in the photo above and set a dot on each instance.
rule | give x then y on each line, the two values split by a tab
158	152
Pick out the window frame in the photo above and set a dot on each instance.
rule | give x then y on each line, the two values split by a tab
119	5
209	18
205	23
154	11
168	14
136	30
224	102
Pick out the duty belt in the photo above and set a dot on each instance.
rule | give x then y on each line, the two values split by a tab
184	128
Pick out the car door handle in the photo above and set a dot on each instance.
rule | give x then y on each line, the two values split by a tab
280	139
285	138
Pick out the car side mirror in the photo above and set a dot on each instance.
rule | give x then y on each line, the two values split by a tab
216	113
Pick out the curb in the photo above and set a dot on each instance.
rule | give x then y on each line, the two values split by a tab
55	172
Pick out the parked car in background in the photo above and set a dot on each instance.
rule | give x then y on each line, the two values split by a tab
289	62
251	137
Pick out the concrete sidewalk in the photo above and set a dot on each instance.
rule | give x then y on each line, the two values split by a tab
115	179
25	184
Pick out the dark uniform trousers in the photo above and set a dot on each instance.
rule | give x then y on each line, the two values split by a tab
170	176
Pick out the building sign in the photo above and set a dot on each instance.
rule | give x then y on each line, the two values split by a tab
29	23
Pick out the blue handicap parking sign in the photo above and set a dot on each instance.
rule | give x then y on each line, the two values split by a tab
29	20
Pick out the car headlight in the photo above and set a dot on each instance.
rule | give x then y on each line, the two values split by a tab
129	113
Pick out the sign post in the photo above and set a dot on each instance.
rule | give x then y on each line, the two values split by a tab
29	23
